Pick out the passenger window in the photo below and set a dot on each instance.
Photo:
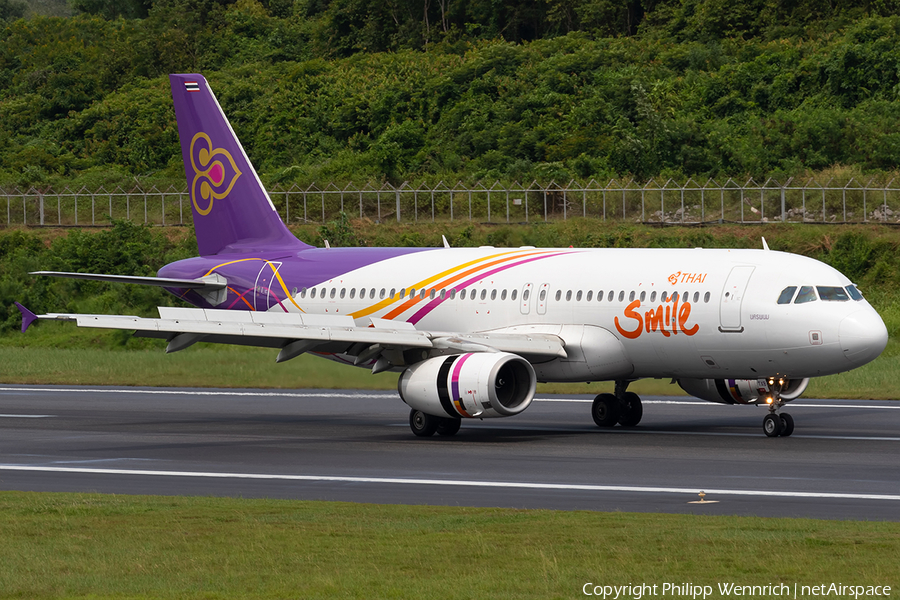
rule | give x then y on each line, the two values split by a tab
353	293
621	295
453	294
525	295
664	297
493	294
643	295
503	295
443	294
558	295
312	293
372	294
483	294
412	292
833	294
462	294
600	296
578	296
543	295
652	296
854	293
513	295
333	291
696	297
631	296
432	293
569	296
706	297
590	295
609	297
343	293
787	294
422	294
807	294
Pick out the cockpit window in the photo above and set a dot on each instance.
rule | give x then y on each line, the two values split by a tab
787	294
834	294
854	293
807	294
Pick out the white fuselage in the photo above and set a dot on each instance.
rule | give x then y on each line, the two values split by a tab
696	313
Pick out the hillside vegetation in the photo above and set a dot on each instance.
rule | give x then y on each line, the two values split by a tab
360	90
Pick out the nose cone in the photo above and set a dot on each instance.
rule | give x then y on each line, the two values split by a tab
863	336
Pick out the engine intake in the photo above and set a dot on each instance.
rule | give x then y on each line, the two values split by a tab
741	391
472	385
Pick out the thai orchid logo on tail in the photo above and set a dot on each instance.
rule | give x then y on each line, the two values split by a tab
213	179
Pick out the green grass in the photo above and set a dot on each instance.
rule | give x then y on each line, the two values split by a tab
77	545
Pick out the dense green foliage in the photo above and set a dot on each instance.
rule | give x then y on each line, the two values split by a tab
356	89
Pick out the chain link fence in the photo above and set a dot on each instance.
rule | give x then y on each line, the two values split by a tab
656	202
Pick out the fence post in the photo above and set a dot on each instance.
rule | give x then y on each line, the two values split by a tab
41	206
783	216
397	198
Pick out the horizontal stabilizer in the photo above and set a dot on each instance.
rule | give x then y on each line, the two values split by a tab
202	285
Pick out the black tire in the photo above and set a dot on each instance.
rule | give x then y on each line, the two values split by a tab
448	426
787	425
605	410
632	410
772	425
423	424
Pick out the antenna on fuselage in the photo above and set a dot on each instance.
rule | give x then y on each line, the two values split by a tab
765	245
446	243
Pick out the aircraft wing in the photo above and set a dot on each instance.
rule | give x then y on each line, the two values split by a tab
296	333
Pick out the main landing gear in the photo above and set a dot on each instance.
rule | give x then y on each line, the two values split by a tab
623	408
425	425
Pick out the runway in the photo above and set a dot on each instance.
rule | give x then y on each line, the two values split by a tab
842	461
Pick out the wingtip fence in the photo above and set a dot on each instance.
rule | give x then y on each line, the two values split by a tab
690	202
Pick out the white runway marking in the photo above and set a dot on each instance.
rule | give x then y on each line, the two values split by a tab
888	405
456	483
26	416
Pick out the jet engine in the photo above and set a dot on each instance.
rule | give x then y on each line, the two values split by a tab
472	385
744	391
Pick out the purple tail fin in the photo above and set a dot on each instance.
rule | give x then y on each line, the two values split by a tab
232	210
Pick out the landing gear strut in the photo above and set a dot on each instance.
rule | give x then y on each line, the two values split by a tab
623	407
775	424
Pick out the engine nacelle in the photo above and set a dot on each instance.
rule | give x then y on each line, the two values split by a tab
472	385
742	391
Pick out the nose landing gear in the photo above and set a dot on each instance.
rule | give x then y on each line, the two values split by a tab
775	424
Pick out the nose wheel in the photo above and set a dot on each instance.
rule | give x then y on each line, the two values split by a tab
777	424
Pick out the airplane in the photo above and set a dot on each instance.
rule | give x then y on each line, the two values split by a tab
471	331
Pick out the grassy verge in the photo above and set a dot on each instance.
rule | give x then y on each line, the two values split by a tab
76	545
235	367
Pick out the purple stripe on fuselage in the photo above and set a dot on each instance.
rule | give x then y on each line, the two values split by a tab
437	301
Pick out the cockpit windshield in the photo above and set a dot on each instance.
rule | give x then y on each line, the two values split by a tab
807	294
833	294
828	293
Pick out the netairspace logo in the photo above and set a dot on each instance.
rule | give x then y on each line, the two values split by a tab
724	590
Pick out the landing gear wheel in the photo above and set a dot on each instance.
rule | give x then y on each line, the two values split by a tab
787	425
423	424
605	410
632	410
772	425
448	426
